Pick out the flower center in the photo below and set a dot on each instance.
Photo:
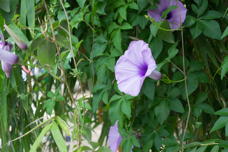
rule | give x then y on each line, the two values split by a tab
169	15
143	69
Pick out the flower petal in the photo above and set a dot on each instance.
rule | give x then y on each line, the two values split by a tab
149	60
163	4
133	67
156	75
8	57
6	67
155	14
134	52
131	86
178	15
114	138
127	76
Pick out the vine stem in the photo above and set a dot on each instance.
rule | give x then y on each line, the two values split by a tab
78	114
69	32
38	126
186	92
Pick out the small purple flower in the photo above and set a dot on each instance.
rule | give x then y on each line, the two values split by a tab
114	138
134	66
7	58
175	17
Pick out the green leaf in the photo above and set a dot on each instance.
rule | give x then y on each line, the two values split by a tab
127	144
135	141
215	149
190	21
226	130
63	125
176	105
31	13
162	111
46	53
126	108
49	106
133	5
222	112
40	137
113	26
142	4
224	67
206	108
149	89
195	30
220	123
172	52
201	97
17	34
115	98
99	46
211	29
81	3
202	7
77	18
166	36
194	150
103	149
116	38
156	46
23	12
225	33
114	111
2	21
105	97
192	84
138	20
123	12
211	15
154	29
5	5
58	138
126	26
201	149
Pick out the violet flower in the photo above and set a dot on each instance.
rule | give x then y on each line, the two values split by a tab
134	66
175	17
114	138
7	58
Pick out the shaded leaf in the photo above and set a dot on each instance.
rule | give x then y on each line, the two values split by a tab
220	123
225	33
162	111
224	67
40	137
59	140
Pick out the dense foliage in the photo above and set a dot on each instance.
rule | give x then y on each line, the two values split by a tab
70	88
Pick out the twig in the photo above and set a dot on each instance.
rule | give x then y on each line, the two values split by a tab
25	134
186	92
69	32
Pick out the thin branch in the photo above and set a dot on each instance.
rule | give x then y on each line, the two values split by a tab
186	92
69	32
38	126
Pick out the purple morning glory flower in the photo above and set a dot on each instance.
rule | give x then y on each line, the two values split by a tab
114	138
7	58
134	66
175	17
